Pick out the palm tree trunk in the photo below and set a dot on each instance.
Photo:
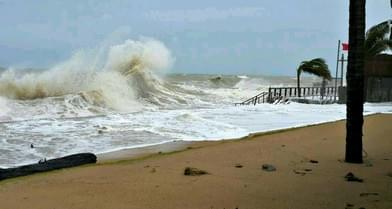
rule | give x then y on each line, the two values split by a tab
298	83
355	82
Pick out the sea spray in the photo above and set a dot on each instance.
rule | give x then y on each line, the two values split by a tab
4	109
145	55
109	83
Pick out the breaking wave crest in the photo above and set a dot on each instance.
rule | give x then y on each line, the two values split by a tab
125	74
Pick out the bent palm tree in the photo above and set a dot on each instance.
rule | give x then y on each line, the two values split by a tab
316	67
378	39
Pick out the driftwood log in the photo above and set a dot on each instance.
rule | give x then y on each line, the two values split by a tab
49	165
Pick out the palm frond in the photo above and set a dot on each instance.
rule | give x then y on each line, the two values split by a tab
375	36
379	47
317	67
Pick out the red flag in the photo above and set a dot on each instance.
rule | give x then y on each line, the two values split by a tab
345	46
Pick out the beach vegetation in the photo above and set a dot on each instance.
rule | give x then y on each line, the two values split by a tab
378	39
317	67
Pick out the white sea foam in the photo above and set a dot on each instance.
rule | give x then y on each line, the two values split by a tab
111	83
117	98
4	109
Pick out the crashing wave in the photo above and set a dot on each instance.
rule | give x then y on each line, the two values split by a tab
127	74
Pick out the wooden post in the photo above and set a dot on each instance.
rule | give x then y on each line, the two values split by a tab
342	71
269	95
337	67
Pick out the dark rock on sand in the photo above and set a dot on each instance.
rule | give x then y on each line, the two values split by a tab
351	177
349	206
49	165
313	161
268	167
238	165
299	172
365	194
194	172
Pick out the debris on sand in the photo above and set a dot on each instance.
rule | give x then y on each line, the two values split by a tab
302	172
268	167
365	194
351	177
194	172
299	172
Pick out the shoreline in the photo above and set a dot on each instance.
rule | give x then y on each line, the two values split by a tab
309	174
53	149
140	151
132	153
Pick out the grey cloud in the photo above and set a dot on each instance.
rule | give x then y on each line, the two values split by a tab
200	15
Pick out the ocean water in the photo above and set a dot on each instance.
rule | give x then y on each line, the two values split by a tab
124	96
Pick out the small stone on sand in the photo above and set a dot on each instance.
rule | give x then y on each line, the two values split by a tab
268	167
238	165
351	177
194	172
349	205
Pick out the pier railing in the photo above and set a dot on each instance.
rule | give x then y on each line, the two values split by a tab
282	94
260	98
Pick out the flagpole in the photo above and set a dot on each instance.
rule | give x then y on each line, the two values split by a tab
342	69
337	69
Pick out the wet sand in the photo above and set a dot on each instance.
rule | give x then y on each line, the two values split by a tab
154	178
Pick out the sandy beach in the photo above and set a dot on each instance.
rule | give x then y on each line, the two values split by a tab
155	179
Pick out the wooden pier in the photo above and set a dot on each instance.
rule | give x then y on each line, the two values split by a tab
283	94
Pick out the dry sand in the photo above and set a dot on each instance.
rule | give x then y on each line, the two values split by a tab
157	181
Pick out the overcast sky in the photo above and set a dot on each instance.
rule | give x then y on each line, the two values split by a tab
223	36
